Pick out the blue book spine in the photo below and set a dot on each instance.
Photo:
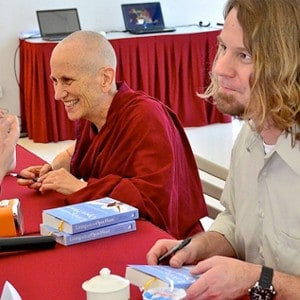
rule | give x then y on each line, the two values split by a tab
90	235
89	215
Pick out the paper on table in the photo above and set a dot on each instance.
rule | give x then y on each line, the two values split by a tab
9	292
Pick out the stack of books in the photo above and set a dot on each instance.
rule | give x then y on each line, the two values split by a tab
88	221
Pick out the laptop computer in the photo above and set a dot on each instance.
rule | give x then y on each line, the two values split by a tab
56	24
142	18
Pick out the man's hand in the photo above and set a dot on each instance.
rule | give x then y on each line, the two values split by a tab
223	278
164	245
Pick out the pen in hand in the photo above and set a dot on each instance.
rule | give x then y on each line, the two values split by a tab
20	176
174	250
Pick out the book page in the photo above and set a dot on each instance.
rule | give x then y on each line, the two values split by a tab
9	292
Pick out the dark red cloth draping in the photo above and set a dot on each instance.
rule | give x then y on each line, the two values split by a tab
59	273
170	67
42	117
117	162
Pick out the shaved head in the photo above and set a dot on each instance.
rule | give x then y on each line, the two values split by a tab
86	50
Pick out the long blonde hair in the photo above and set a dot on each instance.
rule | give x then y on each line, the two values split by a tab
272	36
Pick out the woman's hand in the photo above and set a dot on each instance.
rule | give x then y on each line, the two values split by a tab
9	135
31	174
61	181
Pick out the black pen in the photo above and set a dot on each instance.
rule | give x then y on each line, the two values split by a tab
174	250
20	176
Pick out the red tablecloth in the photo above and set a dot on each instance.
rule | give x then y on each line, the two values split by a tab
170	67
58	273
32	202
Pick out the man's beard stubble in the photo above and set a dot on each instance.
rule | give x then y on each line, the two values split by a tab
227	104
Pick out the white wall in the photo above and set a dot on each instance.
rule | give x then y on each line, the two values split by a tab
19	15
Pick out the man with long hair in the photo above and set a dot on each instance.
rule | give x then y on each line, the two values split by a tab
252	248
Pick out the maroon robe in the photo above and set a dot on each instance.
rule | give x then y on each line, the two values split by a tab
141	156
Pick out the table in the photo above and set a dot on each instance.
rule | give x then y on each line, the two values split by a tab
207	141
58	273
172	67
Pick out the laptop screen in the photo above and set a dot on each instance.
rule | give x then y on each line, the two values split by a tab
58	21
142	15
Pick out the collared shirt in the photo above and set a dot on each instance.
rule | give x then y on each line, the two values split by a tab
262	202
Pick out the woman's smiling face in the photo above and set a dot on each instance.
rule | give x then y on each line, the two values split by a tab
76	83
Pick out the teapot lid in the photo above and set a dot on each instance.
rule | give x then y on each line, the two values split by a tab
105	282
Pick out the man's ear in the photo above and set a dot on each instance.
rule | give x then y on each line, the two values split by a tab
107	78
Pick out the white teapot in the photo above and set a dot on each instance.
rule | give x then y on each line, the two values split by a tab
107	287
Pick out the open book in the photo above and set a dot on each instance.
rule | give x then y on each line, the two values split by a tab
153	276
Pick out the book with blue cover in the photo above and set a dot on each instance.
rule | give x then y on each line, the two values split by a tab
154	276
89	215
90	235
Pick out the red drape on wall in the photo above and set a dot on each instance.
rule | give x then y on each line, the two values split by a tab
170	67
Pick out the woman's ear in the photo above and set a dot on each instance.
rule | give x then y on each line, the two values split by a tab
108	78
